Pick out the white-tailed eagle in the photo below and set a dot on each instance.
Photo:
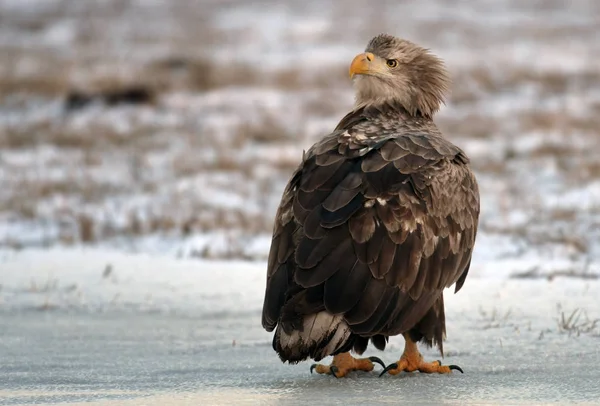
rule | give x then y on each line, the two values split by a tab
379	218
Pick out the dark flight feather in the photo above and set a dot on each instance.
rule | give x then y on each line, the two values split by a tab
345	288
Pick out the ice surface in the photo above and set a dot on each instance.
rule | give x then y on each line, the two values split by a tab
103	326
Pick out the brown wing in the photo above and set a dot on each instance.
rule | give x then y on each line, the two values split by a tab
372	227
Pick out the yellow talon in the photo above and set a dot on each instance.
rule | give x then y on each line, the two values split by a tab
344	363
412	360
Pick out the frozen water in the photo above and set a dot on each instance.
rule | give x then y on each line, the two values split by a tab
95	325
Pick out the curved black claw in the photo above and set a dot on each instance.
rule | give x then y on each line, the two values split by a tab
333	369
456	367
377	360
389	367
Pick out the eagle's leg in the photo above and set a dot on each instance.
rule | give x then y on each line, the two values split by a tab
412	360
344	363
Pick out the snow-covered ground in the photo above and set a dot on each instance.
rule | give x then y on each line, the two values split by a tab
228	96
98	281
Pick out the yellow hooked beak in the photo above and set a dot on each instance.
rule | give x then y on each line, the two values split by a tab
364	64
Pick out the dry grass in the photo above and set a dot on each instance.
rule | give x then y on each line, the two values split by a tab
116	83
561	121
493	319
201	74
578	323
589	171
89	230
49	79
207	74
93	138
267	130
487	79
123	56
536	273
474	125
48	86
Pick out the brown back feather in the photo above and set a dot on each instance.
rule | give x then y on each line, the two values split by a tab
379	219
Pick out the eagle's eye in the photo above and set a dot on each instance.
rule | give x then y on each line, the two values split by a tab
392	63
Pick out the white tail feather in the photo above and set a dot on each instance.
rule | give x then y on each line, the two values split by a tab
322	334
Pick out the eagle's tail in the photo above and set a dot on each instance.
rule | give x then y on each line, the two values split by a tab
322	334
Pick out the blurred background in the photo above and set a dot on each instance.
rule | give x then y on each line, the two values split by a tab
144	147
173	126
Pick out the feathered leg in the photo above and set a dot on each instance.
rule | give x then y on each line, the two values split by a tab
412	360
344	363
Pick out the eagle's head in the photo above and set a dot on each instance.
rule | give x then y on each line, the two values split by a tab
397	71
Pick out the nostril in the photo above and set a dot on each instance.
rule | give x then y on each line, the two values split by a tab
369	58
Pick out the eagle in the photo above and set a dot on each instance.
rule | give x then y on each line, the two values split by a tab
378	219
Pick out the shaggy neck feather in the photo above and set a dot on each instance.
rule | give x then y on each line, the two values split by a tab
424	100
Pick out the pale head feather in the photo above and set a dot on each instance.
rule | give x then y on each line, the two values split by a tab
419	82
